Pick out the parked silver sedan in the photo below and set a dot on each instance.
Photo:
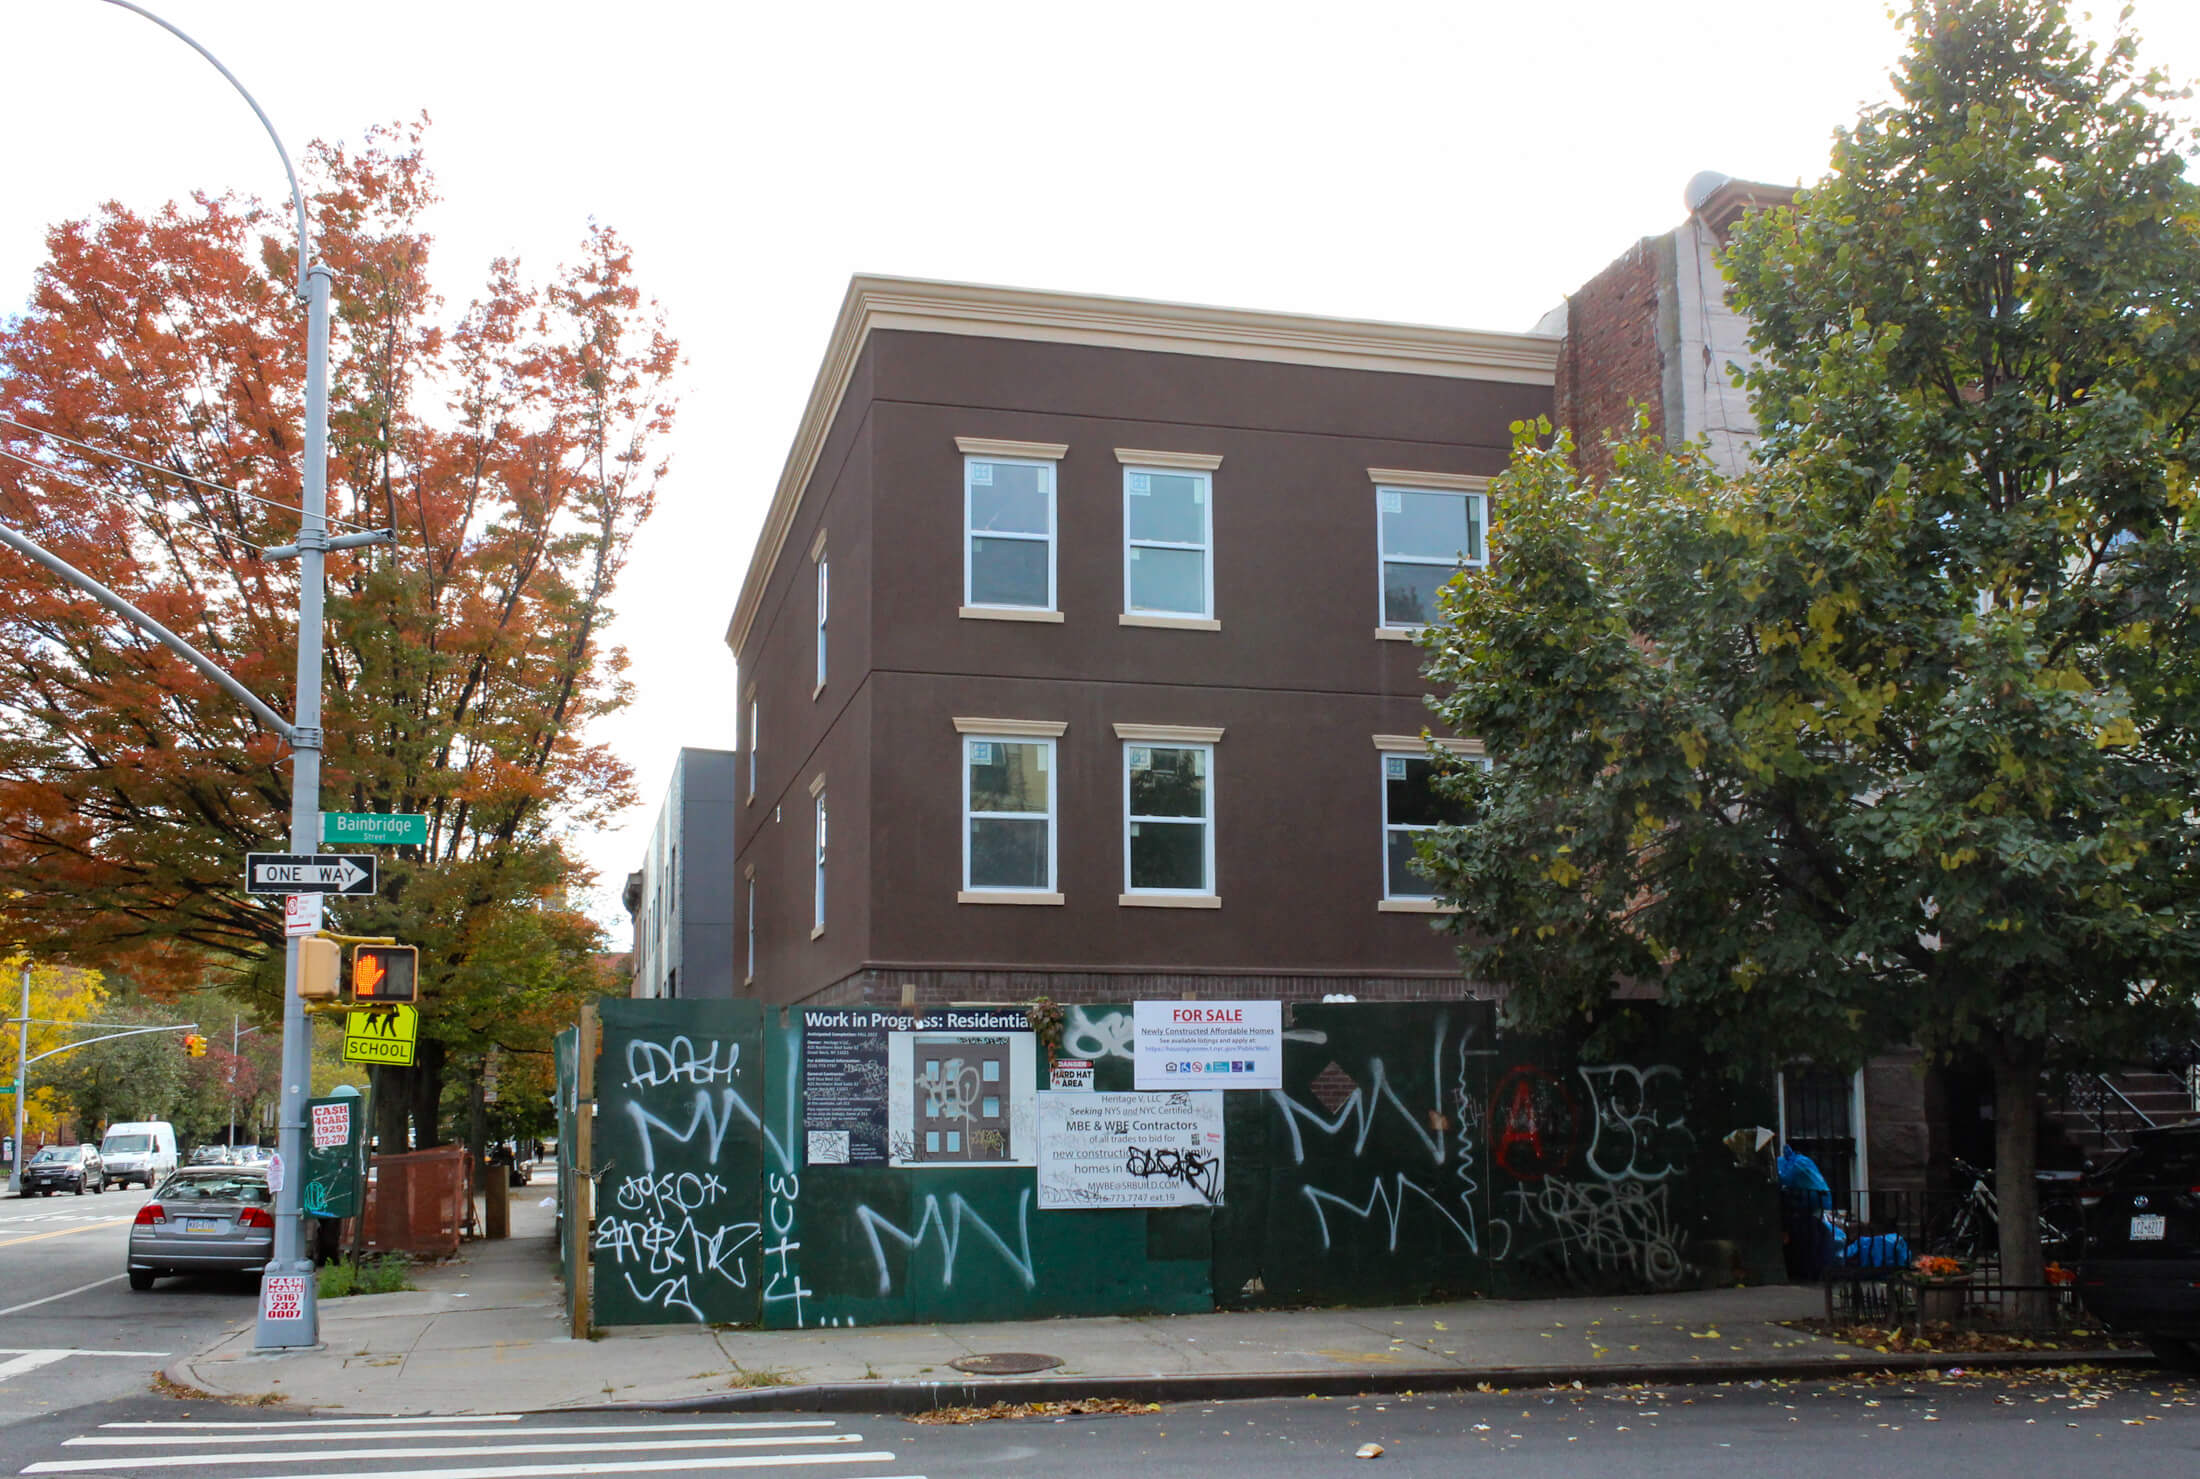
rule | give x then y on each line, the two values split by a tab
204	1218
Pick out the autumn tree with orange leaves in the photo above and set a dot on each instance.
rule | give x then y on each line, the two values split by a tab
513	446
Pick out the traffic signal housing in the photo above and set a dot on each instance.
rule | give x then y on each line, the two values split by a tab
320	970
385	973
194	1044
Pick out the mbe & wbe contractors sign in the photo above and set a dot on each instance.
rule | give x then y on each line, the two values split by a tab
1208	1044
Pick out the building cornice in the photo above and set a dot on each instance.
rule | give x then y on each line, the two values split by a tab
875	303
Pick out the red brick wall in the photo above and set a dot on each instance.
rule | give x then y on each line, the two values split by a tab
1611	359
883	988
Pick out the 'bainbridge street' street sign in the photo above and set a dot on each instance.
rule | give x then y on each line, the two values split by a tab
309	873
389	828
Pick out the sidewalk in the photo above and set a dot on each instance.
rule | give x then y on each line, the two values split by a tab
487	1333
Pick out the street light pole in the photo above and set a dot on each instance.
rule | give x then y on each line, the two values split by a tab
297	1321
235	1037
22	1062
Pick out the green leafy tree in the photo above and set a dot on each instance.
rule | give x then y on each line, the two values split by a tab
1895	738
147	1077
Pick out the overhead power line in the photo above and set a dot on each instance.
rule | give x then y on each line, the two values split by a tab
168	472
97	491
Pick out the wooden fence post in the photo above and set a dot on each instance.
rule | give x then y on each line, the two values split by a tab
582	1212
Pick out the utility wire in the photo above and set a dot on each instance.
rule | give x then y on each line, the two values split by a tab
97	491
169	471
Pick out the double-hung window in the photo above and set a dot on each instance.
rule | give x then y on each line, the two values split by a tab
1412	805
749	922
1008	528
1168	815
1430	526
1008	811
824	590
1168	537
817	892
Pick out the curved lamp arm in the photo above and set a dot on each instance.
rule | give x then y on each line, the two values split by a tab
297	196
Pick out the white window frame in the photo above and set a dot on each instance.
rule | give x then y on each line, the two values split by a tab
1046	890
755	719
1411	747
1474	490
824	585
1051	477
1172	737
817	892
1172	464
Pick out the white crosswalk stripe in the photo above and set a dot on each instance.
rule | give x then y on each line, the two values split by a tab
493	1446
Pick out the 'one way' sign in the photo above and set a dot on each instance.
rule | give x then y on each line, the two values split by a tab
308	873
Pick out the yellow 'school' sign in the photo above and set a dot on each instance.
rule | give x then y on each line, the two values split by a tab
384	1035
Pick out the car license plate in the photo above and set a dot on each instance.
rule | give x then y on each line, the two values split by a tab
2149	1227
213	1224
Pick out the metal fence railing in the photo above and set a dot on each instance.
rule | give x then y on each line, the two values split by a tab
1881	1229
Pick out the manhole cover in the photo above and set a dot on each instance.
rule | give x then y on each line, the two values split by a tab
1005	1363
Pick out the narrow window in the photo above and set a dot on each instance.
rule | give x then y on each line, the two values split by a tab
751	924
1411	806
1168	819
817	917
1008	533
1008	814
1168	555
1427	537
823	592
754	714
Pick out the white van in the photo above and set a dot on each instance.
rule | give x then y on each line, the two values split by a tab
143	1152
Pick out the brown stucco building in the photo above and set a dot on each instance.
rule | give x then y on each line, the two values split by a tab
1076	650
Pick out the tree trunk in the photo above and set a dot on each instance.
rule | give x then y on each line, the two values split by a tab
427	1087
2016	1188
392	1108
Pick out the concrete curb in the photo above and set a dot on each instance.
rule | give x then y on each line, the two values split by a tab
907	1397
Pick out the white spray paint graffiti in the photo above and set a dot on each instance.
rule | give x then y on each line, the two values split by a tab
1091	1038
1616	1222
783	1193
950	1230
1391	1197
680	1229
1610	1227
1639	1127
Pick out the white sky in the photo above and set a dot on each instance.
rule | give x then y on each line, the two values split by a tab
1464	163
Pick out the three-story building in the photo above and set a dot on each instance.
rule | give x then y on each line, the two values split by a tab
1077	651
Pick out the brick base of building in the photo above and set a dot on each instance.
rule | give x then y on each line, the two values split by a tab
881	987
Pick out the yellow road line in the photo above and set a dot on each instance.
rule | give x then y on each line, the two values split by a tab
64	1232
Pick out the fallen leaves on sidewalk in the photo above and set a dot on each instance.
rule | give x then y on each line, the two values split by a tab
1082	1407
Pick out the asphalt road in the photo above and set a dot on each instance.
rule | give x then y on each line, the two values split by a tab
2137	1423
72	1331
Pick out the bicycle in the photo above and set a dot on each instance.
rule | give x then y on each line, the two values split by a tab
1971	1229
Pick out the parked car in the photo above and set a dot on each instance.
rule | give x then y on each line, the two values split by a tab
203	1219
2141	1272
74	1168
143	1151
213	1155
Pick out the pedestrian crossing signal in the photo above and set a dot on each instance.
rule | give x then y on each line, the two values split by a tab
320	965
385	973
